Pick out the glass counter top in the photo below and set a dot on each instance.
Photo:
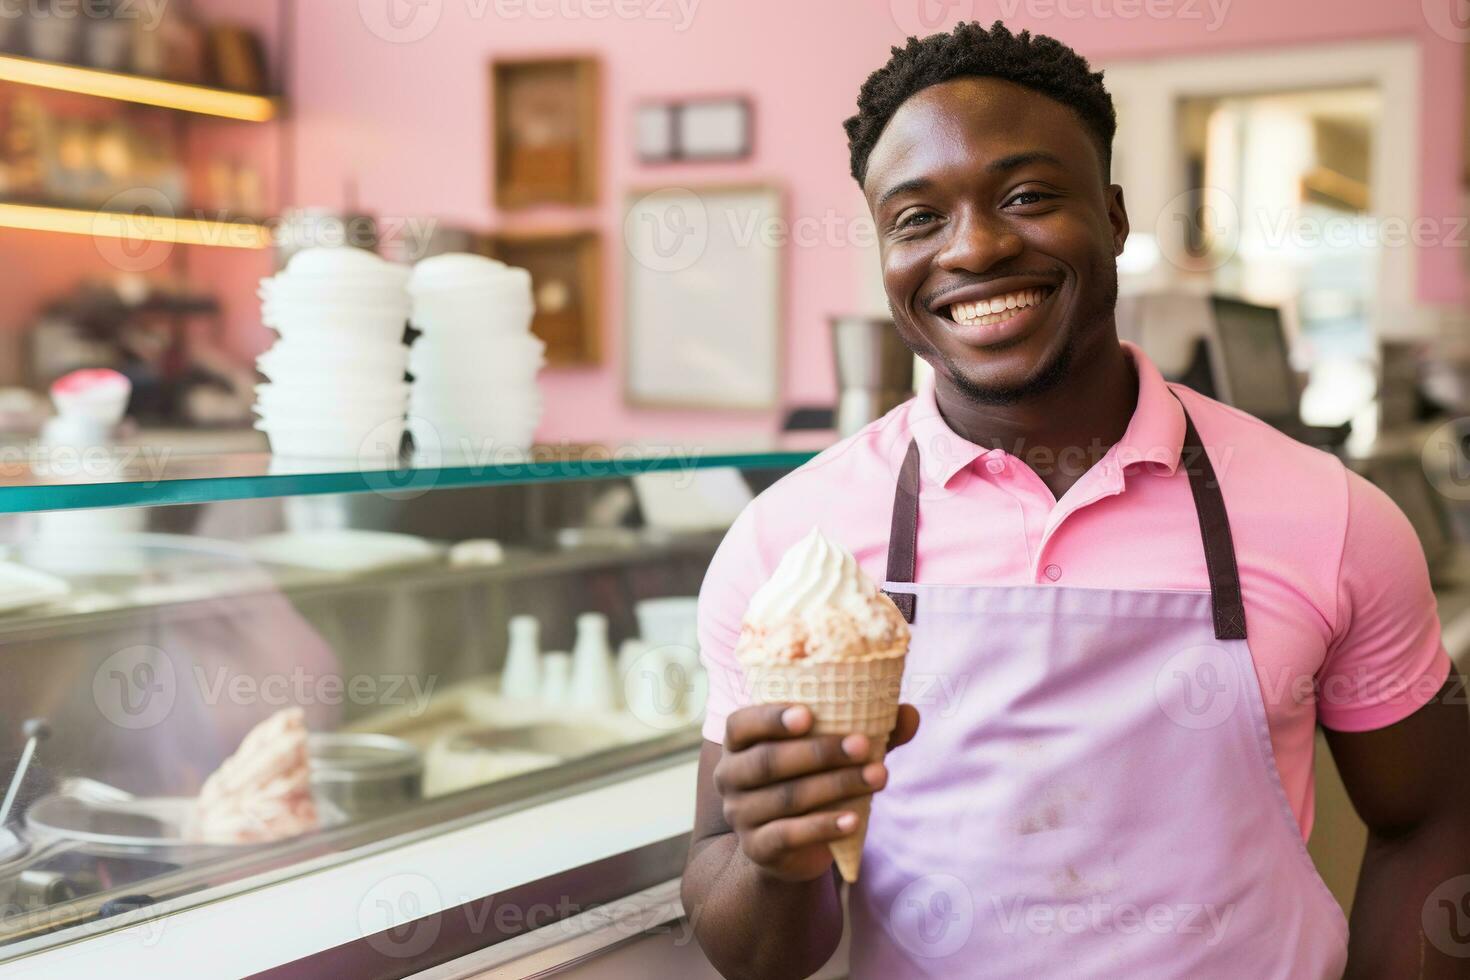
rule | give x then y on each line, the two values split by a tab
148	475
151	640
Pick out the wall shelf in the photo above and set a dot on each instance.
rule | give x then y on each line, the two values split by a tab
138	89
135	227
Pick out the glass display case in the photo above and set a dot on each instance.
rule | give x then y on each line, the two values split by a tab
155	611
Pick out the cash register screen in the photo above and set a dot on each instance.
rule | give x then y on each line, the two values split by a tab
1252	349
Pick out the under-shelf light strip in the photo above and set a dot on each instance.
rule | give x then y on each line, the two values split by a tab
133	88
146	228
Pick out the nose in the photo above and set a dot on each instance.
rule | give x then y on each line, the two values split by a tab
977	243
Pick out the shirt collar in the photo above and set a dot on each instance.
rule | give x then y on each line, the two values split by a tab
1155	433
942	452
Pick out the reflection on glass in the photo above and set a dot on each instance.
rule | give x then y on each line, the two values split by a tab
324	671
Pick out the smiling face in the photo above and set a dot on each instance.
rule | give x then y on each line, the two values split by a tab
998	235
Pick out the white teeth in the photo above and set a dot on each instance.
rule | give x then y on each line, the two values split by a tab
993	310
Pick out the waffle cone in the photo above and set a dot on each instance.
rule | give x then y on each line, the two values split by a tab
845	697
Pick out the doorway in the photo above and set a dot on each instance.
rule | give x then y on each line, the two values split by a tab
1284	216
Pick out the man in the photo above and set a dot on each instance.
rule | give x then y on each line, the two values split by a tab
1130	608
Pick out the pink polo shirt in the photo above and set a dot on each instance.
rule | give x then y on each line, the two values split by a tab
1341	619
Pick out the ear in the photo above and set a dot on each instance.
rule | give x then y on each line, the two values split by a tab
1117	217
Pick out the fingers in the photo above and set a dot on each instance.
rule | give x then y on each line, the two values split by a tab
764	723
907	726
795	797
768	844
772	762
767	722
783	789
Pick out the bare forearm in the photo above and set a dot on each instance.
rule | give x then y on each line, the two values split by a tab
1400	926
751	925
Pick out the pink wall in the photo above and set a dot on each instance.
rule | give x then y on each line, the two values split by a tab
408	123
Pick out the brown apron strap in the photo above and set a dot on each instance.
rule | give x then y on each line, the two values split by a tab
903	537
1214	529
1209	508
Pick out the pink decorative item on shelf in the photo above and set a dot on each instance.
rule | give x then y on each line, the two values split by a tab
98	395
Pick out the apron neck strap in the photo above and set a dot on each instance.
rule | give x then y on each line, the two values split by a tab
1214	529
1209	508
903	534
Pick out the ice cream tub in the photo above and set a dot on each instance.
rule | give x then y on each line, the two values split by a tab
363	773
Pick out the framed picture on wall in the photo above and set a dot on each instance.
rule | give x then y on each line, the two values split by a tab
544	128
566	279
703	297
715	129
694	130
656	132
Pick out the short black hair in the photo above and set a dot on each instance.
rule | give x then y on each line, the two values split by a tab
1038	62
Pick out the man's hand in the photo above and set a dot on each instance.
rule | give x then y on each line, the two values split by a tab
758	886
782	787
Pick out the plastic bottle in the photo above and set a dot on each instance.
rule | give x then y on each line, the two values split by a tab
593	684
521	678
629	655
556	672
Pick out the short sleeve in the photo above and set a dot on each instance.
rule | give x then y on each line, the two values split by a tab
734	574
1386	659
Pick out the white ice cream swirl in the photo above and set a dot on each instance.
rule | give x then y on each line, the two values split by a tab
819	605
814	572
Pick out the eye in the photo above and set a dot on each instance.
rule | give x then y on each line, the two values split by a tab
1028	197
914	219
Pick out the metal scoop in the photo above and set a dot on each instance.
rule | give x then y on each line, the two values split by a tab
36	730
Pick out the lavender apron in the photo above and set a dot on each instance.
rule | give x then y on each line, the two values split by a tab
1092	792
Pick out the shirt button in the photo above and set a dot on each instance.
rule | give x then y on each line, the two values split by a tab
996	466
1053	572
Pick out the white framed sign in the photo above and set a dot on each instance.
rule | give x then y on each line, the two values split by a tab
703	297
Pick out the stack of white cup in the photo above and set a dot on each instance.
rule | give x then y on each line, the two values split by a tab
336	385
474	369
